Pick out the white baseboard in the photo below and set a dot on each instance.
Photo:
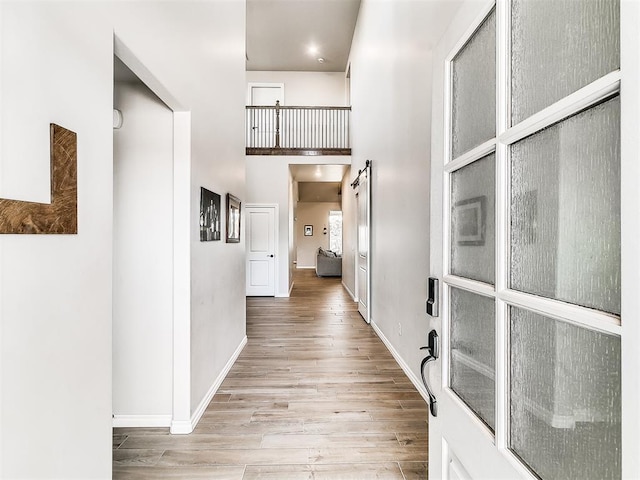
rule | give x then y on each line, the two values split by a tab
349	292
181	427
285	295
141	421
204	403
415	380
302	267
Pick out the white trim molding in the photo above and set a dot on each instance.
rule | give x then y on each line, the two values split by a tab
181	427
351	294
204	403
184	427
403	365
141	421
181	269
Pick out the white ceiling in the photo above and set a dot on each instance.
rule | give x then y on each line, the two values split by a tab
280	31
318	173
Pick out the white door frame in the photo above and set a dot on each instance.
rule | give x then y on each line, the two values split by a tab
276	244
630	224
181	421
367	193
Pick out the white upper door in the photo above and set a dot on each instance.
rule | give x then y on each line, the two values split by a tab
266	94
363	199
263	121
528	232
260	242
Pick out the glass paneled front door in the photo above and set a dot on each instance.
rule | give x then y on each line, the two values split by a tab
532	243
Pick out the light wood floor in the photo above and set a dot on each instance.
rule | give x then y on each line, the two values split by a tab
315	394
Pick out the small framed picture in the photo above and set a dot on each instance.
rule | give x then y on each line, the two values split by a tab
233	219
308	230
209	215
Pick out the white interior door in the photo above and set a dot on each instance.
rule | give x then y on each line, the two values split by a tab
261	94
263	121
528	169
261	249
363	202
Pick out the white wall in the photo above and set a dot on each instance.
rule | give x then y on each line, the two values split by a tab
391	121
56	291
142	259
306	88
268	181
316	214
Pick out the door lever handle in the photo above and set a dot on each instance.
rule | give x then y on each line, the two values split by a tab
433	352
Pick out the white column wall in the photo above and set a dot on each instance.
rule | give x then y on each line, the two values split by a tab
56	290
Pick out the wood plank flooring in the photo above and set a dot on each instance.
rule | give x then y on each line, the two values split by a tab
315	394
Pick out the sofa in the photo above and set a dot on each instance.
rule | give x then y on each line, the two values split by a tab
328	263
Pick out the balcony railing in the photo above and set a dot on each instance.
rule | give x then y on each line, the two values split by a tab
280	130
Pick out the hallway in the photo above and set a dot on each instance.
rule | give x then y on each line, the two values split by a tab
314	394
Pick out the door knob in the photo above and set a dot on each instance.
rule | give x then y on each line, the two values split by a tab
270	256
433	352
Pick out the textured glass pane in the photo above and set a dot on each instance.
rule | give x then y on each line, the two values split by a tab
565	210
473	220
473	116
473	334
558	47
565	398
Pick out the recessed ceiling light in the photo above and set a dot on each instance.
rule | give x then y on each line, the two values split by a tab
313	50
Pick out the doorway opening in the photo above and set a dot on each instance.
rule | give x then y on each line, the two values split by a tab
317	212
151	220
142	254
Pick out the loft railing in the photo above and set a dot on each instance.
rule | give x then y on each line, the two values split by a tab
283	130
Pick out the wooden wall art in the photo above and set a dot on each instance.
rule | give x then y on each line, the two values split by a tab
61	215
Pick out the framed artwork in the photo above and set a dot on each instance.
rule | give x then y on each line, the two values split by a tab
233	219
469	221
209	215
308	230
